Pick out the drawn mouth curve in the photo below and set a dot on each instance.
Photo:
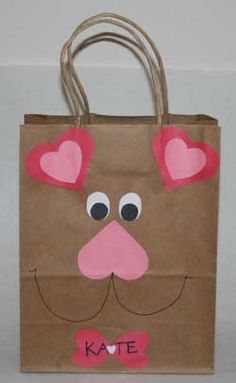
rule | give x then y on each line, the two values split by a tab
111	283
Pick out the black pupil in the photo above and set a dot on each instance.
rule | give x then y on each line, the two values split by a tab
99	211
129	212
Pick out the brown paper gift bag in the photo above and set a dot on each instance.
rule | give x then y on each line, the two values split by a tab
118	232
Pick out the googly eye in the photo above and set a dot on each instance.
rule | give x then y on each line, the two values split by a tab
130	206
98	206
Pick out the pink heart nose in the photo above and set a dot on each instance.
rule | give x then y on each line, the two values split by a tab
113	250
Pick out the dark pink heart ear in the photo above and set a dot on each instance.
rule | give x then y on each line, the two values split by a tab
182	161
63	163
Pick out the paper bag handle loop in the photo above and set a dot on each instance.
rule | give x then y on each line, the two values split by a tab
67	80
82	27
161	76
148	39
110	37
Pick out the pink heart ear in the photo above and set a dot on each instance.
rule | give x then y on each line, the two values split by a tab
63	163
182	161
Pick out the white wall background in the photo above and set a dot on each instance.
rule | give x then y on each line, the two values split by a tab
197	41
190	34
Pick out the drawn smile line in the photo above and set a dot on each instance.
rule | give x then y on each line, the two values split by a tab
111	283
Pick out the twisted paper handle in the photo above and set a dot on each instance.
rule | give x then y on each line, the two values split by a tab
160	93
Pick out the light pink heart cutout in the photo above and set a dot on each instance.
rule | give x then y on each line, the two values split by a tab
63	165
181	161
113	250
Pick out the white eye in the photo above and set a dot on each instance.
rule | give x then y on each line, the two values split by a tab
98	205
130	206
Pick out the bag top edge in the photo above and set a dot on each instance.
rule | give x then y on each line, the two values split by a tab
99	118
